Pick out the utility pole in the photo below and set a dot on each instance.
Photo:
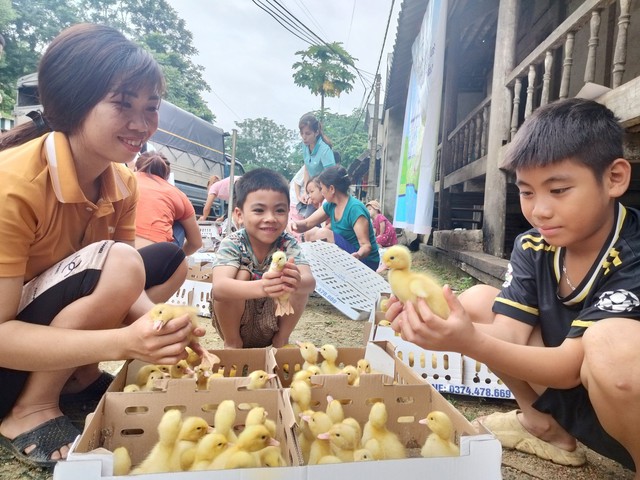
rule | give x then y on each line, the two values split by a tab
372	189
232	168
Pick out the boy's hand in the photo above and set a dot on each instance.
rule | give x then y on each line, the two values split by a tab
421	326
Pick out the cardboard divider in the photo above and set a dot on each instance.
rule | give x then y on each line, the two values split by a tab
234	363
289	361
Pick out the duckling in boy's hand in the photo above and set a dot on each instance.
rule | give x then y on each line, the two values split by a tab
283	307
408	286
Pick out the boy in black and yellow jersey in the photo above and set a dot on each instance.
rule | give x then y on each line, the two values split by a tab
563	331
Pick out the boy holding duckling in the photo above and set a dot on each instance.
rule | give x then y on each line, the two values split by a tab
243	287
562	333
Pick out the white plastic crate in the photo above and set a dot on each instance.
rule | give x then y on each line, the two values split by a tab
195	294
447	372
345	282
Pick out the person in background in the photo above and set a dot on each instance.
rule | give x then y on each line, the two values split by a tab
315	200
74	289
297	200
244	289
161	206
351	227
317	150
383	228
219	189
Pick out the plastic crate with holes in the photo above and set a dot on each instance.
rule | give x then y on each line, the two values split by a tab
195	294
343	281
447	372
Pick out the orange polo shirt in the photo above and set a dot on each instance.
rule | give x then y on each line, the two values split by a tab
44	216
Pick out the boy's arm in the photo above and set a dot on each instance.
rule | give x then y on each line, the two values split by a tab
226	287
557	367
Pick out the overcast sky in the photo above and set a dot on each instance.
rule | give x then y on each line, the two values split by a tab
248	56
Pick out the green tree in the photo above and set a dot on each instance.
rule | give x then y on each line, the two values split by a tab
152	23
263	143
347	133
325	70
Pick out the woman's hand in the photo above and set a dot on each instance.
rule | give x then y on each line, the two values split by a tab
165	346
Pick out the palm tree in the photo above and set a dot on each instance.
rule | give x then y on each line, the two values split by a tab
325	70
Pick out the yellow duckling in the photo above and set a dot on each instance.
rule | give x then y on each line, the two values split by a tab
353	376
270	456
300	393
258	379
224	419
158	459
409	286
211	445
439	442
319	423
283	306
162	313
390	446
334	409
343	439
363	366
252	439
330	354
258	416
309	353
183	455
121	461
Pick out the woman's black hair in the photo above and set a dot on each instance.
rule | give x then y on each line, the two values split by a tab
337	177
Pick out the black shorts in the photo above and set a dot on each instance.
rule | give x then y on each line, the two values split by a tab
71	279
572	409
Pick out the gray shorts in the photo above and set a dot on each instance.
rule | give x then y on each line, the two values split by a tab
258	324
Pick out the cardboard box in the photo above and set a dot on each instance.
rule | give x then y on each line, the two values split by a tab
407	397
408	400
200	272
234	363
448	372
131	420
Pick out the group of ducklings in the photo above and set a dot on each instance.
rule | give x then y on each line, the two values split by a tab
328	437
154	377
191	444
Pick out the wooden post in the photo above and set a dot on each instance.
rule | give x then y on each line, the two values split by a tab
495	189
372	184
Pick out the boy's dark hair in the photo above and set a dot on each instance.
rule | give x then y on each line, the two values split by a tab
259	179
578	129
337	177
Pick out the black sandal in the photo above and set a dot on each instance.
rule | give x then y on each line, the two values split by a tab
49	437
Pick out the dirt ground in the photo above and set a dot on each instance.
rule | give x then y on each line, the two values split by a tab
322	323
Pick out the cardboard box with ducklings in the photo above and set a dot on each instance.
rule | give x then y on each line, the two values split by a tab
131	419
447	372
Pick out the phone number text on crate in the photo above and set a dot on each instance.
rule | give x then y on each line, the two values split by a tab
473	391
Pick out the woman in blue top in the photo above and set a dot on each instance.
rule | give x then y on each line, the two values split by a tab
316	148
351	227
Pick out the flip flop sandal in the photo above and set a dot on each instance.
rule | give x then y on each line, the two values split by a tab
508	429
48	438
87	399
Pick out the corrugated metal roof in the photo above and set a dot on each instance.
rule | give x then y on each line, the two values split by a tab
409	22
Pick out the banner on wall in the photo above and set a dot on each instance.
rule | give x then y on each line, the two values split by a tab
416	173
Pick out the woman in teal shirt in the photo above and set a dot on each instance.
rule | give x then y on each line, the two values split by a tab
316	148
351	227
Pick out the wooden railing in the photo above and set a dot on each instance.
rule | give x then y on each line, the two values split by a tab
562	39
468	140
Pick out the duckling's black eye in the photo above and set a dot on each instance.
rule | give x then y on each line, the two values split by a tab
393	258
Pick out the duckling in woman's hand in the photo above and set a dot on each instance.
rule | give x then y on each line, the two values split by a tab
408	286
439	443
